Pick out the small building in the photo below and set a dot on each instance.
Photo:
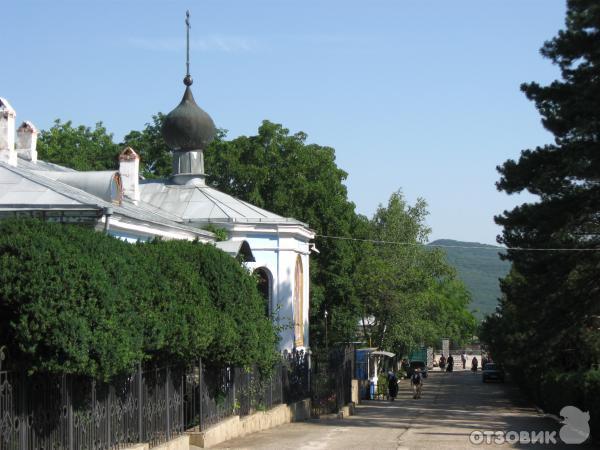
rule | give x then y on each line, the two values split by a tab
275	248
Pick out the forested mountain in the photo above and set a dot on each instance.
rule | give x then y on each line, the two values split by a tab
479	269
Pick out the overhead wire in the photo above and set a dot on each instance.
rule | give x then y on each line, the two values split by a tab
477	247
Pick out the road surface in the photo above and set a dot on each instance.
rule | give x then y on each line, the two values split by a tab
453	405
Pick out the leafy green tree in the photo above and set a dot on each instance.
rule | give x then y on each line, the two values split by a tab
551	297
410	295
80	147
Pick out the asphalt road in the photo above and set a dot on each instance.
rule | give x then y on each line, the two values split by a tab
453	405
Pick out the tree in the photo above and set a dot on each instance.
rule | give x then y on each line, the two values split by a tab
410	295
80	148
550	302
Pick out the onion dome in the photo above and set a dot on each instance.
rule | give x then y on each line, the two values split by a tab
188	127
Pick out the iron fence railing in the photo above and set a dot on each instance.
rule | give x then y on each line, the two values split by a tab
151	405
78	413
331	380
156	404
212	395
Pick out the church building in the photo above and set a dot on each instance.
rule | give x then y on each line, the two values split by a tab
117	202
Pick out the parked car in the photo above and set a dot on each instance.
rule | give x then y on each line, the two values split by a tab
417	364
492	371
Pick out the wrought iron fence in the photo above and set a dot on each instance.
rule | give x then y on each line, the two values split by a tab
212	395
152	405
331	380
296	374
68	412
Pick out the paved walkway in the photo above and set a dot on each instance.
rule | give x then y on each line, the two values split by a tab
453	405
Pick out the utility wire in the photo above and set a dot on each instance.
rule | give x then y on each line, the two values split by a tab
477	247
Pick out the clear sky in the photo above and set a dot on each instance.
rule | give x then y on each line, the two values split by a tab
419	95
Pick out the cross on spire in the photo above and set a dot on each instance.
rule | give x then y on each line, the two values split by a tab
188	78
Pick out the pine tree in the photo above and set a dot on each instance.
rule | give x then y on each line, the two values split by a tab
551	302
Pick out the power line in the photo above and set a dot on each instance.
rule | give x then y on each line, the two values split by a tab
477	247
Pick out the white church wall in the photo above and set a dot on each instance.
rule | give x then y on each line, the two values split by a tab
278	253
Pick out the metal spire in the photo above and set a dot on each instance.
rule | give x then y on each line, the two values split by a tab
188	78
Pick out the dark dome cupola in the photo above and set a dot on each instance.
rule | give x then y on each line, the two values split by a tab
188	130
188	127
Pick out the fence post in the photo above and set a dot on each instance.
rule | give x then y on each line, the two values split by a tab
111	389
140	403
200	392
282	368
167	379
270	405
68	389
22	414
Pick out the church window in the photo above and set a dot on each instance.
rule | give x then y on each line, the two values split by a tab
299	304
264	287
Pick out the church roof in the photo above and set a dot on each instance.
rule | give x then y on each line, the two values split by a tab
204	204
24	189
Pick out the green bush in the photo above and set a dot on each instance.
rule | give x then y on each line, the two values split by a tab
591	386
558	389
554	390
76	301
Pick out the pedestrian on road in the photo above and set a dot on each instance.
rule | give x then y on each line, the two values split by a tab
450	364
392	385
463	358
442	362
416	381
474	363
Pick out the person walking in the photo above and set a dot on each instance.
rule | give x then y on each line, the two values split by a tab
442	362
450	364
484	361
474	363
463	358
392	385
416	381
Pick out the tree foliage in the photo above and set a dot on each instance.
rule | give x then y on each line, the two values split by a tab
76	301
80	147
410	295
549	312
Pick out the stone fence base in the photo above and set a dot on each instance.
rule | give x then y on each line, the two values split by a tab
179	443
234	427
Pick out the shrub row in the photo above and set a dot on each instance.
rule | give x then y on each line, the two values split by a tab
73	300
554	390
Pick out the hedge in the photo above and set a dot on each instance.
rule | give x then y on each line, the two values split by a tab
553	390
73	300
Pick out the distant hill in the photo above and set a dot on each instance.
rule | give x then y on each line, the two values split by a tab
479	269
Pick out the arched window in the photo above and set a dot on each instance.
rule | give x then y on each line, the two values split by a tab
264	287
299	304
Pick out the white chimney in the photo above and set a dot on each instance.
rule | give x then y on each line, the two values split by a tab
27	135
129	168
7	133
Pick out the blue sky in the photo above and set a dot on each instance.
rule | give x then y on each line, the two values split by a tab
418	95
